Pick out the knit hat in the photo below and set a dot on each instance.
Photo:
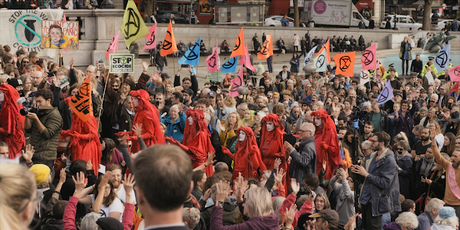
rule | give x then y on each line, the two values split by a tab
41	172
109	223
446	212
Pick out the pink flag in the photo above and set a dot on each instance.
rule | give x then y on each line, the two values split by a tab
212	62
454	73
369	57
236	83
113	45
247	61
152	36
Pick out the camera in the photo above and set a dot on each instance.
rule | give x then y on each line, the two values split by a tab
27	106
214	85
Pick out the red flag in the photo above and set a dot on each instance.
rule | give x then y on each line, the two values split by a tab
328	55
81	103
169	44
345	63
455	88
212	62
113	45
369	57
238	48
152	36
454	73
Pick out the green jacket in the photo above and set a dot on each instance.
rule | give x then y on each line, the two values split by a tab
45	144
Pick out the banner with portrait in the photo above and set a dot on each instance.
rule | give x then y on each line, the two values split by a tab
60	35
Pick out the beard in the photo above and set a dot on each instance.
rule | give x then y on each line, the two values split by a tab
116	183
377	148
425	138
455	165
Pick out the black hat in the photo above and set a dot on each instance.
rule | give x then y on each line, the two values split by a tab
303	218
164	75
392	65
225	90
14	82
278	77
109	223
188	91
397	94
329	215
454	117
431	58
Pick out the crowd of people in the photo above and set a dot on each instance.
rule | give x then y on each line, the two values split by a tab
299	150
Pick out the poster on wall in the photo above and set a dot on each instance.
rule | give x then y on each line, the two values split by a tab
205	9
60	35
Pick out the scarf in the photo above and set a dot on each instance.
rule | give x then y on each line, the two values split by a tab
426	167
401	156
452	182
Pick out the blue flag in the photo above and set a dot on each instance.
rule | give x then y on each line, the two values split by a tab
192	56
441	62
386	94
230	65
308	56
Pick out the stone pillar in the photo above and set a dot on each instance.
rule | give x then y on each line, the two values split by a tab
379	11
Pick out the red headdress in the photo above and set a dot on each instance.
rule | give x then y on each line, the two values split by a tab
11	122
247	155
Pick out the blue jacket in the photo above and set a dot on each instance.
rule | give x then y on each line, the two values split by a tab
176	129
383	183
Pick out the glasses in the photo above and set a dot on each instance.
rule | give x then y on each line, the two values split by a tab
24	62
400	149
374	141
37	198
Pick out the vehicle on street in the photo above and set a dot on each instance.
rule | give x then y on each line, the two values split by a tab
276	21
333	13
403	22
163	16
441	24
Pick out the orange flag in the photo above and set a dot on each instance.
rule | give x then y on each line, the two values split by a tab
264	52
169	44
326	46
238	49
81	103
270	51
345	63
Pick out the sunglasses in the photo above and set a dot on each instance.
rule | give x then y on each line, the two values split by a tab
400	149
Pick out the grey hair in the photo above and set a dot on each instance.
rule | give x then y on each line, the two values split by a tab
277	202
258	202
191	216
366	104
451	221
89	221
367	144
174	107
310	127
408	220
434	203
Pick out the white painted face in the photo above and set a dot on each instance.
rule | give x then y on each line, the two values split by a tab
318	122
190	120
136	102
242	136
270	126
2	96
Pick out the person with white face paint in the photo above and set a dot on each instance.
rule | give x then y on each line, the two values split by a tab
271	145
247	158
10	120
326	143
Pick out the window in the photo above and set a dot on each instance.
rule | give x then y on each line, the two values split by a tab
411	20
402	20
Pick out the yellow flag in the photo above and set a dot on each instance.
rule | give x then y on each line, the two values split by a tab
132	25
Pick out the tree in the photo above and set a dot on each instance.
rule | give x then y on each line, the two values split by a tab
296	13
148	8
426	15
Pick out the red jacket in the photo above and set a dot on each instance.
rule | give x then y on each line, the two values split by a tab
247	158
11	121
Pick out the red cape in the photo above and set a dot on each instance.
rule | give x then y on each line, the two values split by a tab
247	158
326	134
11	121
147	115
85	144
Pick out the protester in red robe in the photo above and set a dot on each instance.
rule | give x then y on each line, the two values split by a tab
326	143
247	158
271	145
11	122
146	115
196	141
84	143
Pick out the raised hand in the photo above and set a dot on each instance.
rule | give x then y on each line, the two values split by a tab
279	176
128	183
290	215
28	153
295	186
62	176
223	188
89	165
80	182
277	163
137	128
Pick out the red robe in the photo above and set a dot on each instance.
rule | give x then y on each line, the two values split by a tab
11	121
327	144
247	158
196	141
84	143
147	115
272	146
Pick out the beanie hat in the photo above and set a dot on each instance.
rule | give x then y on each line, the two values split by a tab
41	172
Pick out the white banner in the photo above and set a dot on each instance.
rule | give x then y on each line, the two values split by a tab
22	28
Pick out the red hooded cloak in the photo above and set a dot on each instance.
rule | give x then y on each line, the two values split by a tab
247	158
326	143
272	146
84	143
147	115
197	140
11	121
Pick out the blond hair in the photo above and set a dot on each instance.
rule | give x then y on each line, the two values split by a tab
17	185
238	123
230	101
258	202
